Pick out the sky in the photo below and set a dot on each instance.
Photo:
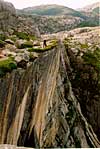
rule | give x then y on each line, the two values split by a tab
19	4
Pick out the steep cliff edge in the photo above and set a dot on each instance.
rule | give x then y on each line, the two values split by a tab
38	107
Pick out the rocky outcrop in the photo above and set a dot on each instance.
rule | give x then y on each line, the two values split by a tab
38	107
10	22
7	15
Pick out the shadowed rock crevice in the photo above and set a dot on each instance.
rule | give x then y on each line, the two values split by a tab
85	84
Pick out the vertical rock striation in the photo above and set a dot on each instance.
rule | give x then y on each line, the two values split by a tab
38	107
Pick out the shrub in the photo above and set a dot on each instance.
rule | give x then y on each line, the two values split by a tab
2	37
22	35
7	66
32	37
2	43
13	38
84	46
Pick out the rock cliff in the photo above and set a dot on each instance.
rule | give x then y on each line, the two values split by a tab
7	15
11	22
38	107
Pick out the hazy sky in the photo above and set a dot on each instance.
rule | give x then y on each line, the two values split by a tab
69	3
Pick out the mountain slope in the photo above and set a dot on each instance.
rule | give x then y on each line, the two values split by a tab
92	12
53	10
55	18
91	8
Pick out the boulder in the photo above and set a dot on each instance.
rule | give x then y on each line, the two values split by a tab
7	15
22	56
8	53
10	47
9	41
19	42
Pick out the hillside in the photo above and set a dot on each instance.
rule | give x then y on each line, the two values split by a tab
93	13
55	18
53	10
92	8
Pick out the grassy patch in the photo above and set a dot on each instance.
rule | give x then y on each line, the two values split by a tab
22	35
13	38
35	49
84	46
47	48
27	44
7	66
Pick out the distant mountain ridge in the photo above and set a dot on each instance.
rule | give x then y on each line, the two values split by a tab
54	18
52	10
95	7
90	7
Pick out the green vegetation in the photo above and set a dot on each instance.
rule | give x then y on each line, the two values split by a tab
54	10
27	44
47	48
36	50
89	23
93	58
13	38
2	37
22	35
78	14
2	43
49	11
7	66
96	10
84	46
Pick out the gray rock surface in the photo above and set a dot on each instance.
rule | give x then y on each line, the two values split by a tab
7	15
38	107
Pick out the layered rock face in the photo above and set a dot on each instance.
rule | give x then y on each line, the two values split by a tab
38	107
7	15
